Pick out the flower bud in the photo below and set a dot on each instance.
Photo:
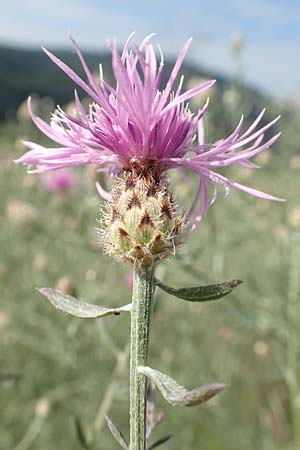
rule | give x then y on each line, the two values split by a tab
142	224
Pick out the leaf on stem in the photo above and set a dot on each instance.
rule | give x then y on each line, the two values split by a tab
160	441
78	308
201	293
116	432
178	395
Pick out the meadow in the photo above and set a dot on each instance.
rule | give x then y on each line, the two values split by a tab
57	372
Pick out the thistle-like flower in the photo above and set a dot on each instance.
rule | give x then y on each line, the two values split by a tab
136	131
60	180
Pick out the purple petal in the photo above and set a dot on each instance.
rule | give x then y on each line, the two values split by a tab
72	75
103	193
190	93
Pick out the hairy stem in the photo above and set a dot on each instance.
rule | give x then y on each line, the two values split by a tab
142	300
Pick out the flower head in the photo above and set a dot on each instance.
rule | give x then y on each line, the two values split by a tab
60	180
139	126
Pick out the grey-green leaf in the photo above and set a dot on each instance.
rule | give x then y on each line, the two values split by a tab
178	395
160	442
78	308
201	293
117	433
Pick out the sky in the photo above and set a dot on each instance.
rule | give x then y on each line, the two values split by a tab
270	59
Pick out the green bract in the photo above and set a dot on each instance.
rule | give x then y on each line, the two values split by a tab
142	224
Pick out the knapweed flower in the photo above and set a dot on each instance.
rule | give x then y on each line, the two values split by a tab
137	131
60	180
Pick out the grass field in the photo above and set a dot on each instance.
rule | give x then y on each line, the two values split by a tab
61	367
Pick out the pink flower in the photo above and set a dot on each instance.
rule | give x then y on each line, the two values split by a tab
60	180
138	121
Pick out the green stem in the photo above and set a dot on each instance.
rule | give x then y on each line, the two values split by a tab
142	299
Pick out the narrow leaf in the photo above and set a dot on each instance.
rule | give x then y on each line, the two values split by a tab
160	441
201	293
78	308
80	433
178	395
117	433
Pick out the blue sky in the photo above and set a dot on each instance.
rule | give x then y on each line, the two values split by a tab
271	57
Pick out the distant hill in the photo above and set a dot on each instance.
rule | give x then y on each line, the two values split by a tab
24	72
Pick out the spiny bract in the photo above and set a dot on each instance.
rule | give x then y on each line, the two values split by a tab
142	224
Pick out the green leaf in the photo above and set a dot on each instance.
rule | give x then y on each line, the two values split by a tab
160	441
79	308
201	293
117	433
178	395
80	434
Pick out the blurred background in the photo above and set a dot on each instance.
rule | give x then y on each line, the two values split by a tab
57	372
